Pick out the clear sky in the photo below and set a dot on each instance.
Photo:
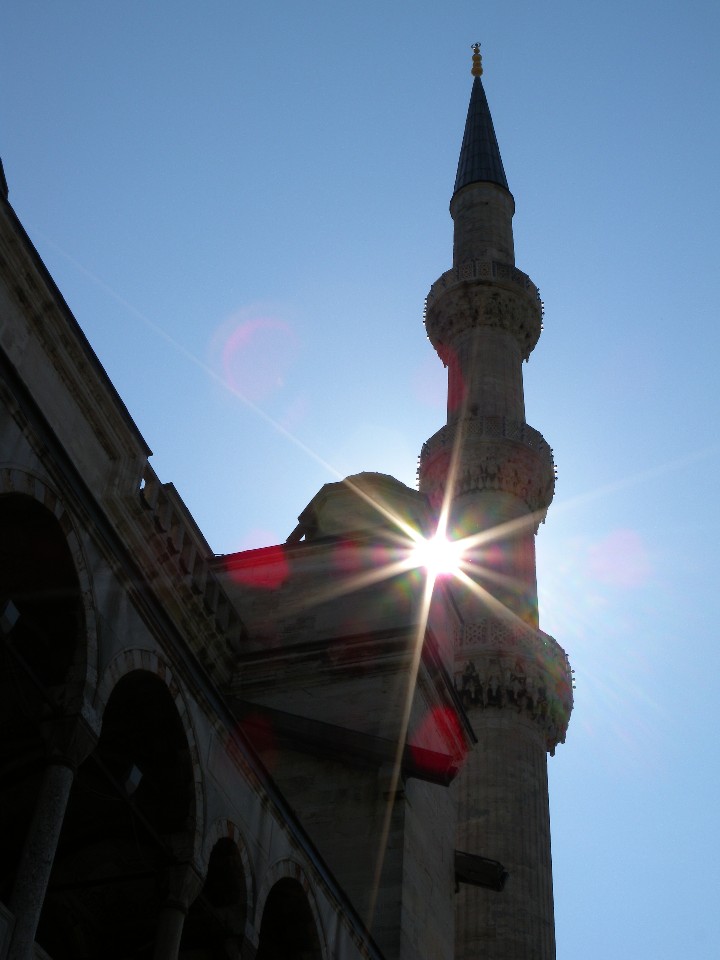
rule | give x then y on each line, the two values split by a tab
244	205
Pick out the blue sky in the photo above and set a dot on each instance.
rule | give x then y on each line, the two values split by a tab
244	198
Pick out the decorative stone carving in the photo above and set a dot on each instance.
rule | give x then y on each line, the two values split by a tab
479	428
495	454
180	546
483	293
517	668
466	271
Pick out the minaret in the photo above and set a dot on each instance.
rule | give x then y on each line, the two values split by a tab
495	474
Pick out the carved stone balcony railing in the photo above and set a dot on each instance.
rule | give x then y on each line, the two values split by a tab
490	428
524	467
481	293
484	270
499	665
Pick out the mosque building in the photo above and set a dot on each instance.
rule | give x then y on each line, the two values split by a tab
332	748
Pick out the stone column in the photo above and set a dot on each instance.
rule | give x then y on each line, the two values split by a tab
70	742
184	885
169	930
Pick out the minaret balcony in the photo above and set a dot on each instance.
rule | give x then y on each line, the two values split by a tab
495	454
483	293
502	665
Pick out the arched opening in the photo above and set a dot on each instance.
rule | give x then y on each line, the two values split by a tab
215	924
288	930
129	820
41	624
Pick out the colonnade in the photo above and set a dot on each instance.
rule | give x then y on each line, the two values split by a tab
101	831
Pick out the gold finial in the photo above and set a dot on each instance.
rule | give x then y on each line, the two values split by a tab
477	61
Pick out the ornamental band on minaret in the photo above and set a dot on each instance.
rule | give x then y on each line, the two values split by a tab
496	475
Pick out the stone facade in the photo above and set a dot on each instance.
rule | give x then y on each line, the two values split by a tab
135	817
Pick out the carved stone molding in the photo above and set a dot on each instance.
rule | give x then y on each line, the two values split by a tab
181	549
490	428
483	293
495	454
503	274
491	634
517	668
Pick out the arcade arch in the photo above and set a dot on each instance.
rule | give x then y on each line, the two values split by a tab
42	640
289	929
215	925
128	832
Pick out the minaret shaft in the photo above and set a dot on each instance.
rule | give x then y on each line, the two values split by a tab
504	565
482	213
485	376
506	818
496	475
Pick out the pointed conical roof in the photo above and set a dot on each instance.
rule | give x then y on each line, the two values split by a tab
479	154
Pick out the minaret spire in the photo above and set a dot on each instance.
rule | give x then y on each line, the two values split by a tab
479	155
494	475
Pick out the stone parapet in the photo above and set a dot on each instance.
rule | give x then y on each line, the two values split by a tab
498	665
495	454
481	293
184	553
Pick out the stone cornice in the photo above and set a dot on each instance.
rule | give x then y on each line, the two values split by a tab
42	340
485	293
148	538
182	550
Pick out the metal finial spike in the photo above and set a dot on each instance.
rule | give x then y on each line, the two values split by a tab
477	61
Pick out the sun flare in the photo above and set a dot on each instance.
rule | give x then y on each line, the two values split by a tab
439	556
